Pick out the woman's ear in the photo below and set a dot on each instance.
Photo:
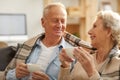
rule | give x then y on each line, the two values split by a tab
109	31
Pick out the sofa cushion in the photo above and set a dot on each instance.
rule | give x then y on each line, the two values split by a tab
6	55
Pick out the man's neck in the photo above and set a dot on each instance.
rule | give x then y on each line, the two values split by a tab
48	42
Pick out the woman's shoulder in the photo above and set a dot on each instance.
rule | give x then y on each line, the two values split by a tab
116	57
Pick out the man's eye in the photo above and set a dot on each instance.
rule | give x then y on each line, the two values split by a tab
62	21
58	21
54	20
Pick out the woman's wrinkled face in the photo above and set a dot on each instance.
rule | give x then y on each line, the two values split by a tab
54	22
98	33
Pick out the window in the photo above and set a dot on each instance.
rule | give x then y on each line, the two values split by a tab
13	27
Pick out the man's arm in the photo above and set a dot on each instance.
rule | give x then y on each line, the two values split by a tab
11	75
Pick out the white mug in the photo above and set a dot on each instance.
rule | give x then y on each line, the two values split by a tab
33	67
69	52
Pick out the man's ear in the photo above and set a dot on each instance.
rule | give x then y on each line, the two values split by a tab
42	22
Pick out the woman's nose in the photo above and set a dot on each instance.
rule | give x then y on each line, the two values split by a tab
89	32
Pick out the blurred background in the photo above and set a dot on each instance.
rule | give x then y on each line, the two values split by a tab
20	19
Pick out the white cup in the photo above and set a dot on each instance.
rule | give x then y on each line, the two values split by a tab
69	52
33	67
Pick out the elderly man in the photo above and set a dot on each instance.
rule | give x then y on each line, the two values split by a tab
43	49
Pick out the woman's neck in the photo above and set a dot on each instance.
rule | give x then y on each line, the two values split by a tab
103	52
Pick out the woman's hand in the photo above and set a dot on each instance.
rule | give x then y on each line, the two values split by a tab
65	59
86	60
39	76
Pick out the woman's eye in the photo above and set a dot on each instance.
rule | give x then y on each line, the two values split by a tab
94	26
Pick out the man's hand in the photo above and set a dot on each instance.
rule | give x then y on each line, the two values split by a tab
39	76
65	59
21	70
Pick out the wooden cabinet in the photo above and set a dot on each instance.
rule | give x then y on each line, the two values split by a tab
118	1
85	11
74	29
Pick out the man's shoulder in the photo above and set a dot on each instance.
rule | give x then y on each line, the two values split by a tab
33	40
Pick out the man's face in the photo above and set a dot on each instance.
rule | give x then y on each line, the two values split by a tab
54	21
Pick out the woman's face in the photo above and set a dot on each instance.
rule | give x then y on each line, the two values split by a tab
98	33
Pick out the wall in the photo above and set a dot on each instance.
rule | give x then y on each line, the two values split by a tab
113	4
69	3
32	9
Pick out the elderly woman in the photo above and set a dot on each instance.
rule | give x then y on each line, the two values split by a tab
104	64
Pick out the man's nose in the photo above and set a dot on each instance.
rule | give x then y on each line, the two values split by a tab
59	24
